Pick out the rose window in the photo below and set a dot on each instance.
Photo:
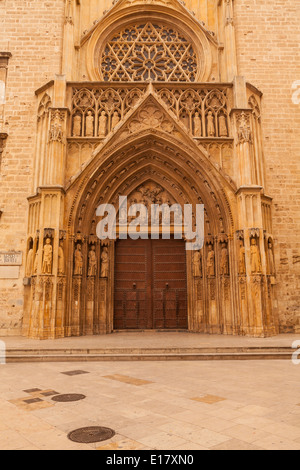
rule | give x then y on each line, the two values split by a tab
149	52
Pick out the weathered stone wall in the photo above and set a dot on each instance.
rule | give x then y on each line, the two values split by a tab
32	32
268	37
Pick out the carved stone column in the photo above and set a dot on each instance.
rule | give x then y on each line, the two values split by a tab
4	59
46	277
198	322
68	46
230	43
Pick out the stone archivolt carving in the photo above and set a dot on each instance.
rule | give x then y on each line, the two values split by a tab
148	52
149	194
162	2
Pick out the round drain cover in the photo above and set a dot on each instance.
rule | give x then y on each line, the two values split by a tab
68	397
91	435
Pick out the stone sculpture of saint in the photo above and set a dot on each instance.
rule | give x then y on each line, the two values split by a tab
211	131
224	264
77	125
255	257
197	264
115	120
92	262
197	126
223	126
211	270
89	125
78	259
104	263
242	259
47	259
61	259
102	125
271	259
29	263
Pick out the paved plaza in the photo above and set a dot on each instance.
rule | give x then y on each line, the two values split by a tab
211	405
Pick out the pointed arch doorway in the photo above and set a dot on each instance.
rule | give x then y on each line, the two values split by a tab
150	289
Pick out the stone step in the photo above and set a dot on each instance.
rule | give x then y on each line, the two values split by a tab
172	354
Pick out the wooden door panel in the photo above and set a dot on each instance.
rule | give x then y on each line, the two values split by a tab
150	285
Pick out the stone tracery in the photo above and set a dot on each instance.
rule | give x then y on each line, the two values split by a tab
149	52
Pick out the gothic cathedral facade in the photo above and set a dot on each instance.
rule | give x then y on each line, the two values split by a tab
143	99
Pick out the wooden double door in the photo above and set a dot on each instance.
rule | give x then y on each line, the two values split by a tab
150	285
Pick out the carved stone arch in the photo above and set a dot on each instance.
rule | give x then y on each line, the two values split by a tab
170	161
44	105
254	105
164	14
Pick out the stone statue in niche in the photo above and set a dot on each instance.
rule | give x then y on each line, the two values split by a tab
92	262
61	259
271	258
224	263
242	259
255	257
197	264
78	259
77	121
244	131
210	265
56	128
47	259
36	262
211	131
102	131
89	124
223	132
115	120
104	263
197	126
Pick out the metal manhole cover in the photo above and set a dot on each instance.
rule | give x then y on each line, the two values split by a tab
68	397
91	435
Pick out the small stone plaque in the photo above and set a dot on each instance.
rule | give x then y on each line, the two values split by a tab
10	258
